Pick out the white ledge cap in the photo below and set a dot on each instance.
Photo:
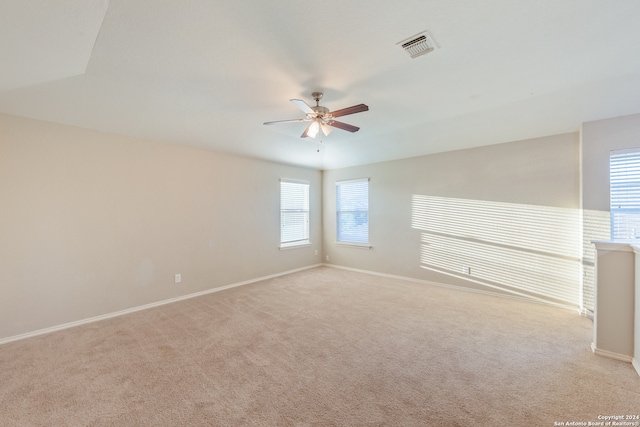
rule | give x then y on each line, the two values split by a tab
617	245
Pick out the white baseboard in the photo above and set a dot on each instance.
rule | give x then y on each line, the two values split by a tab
636	364
611	354
144	307
512	294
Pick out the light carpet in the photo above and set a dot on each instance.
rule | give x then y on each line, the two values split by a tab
320	347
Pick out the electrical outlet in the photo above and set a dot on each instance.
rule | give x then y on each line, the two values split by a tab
316	252
327	257
178	278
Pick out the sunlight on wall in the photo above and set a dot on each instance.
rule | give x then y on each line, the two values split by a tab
536	249
596	225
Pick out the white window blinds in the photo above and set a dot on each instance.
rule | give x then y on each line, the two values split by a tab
624	178
294	213
352	211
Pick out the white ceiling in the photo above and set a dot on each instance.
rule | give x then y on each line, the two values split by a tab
208	73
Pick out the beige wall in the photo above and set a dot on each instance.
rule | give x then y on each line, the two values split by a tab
599	138
509	212
93	223
614	319
636	313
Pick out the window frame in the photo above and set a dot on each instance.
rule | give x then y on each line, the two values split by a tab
305	238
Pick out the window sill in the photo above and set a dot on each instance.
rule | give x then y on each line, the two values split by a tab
355	245
294	245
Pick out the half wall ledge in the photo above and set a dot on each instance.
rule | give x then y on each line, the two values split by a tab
616	320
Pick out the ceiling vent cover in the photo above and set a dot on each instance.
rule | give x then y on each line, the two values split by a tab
418	45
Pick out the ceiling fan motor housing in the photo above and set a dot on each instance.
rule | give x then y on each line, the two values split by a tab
320	111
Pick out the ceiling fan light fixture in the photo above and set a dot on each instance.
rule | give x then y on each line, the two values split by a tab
313	129
326	129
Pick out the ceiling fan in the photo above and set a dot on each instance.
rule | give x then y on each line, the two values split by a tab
321	118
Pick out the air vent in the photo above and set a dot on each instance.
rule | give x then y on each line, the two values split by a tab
418	45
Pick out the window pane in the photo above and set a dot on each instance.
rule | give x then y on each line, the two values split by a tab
295	226
352	206
625	194
294	212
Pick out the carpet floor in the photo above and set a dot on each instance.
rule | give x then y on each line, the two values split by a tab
320	347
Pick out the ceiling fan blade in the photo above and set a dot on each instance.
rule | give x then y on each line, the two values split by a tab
350	110
303	106
344	126
286	121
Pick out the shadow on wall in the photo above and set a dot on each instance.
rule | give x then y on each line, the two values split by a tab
523	249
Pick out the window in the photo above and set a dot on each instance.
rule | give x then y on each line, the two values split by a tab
294	213
352	211
624	178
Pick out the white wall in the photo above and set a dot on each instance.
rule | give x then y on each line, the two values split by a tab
510	212
93	223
